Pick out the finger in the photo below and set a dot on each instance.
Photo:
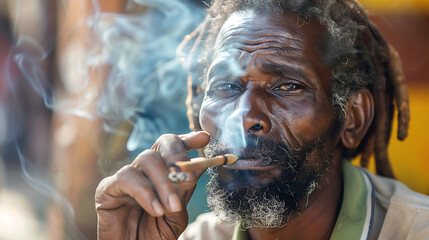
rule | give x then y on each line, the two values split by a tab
171	148
174	148
114	192
153	166
195	140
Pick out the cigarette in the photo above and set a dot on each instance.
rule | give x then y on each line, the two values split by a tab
203	163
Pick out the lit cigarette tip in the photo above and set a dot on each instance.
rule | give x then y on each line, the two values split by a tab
203	163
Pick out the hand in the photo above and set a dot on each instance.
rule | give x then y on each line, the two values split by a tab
140	201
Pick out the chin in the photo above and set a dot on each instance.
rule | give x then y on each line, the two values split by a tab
263	198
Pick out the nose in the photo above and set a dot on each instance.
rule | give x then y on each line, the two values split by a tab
251	113
256	121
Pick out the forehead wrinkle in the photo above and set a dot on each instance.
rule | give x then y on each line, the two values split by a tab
222	64
270	48
258	38
265	36
259	31
272	61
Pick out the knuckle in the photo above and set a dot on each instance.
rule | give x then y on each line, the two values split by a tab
101	189
146	155
171	146
169	138
125	175
124	171
103	184
177	150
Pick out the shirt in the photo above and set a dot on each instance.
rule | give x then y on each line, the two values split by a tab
373	207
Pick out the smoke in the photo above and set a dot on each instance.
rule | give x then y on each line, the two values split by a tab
42	186
231	125
229	119
146	84
30	67
126	71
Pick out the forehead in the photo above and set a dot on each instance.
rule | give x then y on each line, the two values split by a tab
244	29
266	38
247	27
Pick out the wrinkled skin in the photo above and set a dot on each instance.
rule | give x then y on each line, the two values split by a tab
285	90
140	199
282	96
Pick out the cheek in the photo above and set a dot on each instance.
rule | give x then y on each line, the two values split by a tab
304	122
313	124
212	115
207	118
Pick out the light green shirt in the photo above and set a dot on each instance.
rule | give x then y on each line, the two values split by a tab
354	219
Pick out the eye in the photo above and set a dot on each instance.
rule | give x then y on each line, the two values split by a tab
289	87
225	89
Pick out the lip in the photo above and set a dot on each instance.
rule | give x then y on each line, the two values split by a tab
249	164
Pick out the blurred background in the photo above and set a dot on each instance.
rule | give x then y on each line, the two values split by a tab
85	85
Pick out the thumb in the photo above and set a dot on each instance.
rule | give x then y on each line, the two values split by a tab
195	140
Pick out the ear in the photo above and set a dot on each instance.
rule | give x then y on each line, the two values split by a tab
360	113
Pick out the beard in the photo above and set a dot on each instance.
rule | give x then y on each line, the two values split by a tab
265	204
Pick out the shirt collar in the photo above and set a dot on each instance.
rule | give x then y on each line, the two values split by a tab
356	214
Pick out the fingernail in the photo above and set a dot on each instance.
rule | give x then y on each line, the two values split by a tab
174	202
204	132
157	207
191	134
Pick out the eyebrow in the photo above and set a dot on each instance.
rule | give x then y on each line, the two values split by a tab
286	70
221	69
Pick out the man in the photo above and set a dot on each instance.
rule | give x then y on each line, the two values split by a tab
294	89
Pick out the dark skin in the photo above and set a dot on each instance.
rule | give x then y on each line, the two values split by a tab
284	92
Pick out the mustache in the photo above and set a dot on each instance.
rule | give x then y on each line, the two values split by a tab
268	150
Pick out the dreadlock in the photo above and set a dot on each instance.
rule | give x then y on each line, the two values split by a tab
354	49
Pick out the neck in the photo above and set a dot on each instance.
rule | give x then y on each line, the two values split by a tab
318	220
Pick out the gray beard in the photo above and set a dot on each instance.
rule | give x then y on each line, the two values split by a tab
269	205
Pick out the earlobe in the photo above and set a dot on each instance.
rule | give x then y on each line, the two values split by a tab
360	113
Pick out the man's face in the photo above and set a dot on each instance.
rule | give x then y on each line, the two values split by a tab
267	102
